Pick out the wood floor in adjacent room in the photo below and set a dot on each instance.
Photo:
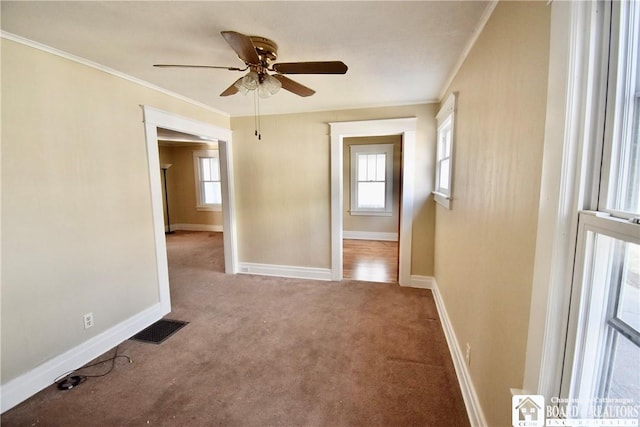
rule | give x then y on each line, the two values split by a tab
370	260
267	351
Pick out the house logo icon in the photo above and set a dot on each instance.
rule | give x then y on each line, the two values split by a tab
527	411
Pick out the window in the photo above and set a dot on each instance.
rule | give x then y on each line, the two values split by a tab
207	176
603	350
371	179
444	151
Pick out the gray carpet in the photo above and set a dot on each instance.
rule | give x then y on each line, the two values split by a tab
264	351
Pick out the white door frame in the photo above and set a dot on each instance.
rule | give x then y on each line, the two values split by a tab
405	127
154	118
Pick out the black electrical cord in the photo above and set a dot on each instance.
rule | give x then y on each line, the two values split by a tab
68	380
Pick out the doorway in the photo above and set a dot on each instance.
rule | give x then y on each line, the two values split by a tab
154	119
372	190
406	129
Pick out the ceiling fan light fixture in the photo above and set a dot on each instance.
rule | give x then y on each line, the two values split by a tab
270	86
249	82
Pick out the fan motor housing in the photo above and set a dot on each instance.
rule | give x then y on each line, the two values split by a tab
267	49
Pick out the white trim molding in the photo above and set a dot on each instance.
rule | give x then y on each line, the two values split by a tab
293	272
569	121
154	118
340	130
30	383
370	235
196	227
488	11
105	69
422	282
469	395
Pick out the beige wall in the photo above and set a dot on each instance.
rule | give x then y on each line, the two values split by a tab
371	223
182	186
77	230
485	244
283	186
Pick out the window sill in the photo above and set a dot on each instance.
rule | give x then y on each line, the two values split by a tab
442	199
214	208
370	213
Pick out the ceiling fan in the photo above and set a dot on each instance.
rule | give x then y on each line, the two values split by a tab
258	53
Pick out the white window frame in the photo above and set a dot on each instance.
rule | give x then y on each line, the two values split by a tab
620	111
571	157
357	149
446	129
200	204
589	337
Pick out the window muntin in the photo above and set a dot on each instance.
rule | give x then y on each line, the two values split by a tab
371	179
207	177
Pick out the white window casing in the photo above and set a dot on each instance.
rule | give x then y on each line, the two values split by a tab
603	333
206	167
445	143
372	179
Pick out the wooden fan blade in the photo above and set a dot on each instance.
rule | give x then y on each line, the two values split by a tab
231	90
198	66
293	86
243	46
326	67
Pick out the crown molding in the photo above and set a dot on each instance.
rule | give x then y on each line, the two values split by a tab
488	11
66	55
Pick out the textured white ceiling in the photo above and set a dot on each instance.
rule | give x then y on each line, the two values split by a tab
397	52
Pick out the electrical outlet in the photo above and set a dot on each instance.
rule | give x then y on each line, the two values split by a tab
88	320
467	355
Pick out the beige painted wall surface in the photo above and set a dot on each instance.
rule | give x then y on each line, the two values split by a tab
283	186
182	186
77	231
384	224
485	245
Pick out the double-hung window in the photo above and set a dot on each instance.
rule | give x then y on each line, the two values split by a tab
444	151
206	166
602	361
371	179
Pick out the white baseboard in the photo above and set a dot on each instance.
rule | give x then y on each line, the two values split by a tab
370	235
195	227
285	271
422	282
469	395
30	383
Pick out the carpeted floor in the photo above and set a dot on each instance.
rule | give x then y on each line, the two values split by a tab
264	351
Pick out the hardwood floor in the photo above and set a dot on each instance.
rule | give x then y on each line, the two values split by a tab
370	260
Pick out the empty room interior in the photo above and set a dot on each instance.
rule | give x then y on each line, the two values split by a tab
358	213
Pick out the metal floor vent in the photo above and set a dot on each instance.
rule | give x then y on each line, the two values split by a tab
159	331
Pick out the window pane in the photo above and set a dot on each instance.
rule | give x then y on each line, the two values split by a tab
362	167
215	169
205	165
444	174
371	195
371	167
625	168
212	193
381	167
625	375
446	142
629	300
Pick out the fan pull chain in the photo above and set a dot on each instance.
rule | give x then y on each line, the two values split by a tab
256	115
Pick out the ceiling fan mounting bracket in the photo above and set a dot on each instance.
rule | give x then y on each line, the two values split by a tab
267	49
